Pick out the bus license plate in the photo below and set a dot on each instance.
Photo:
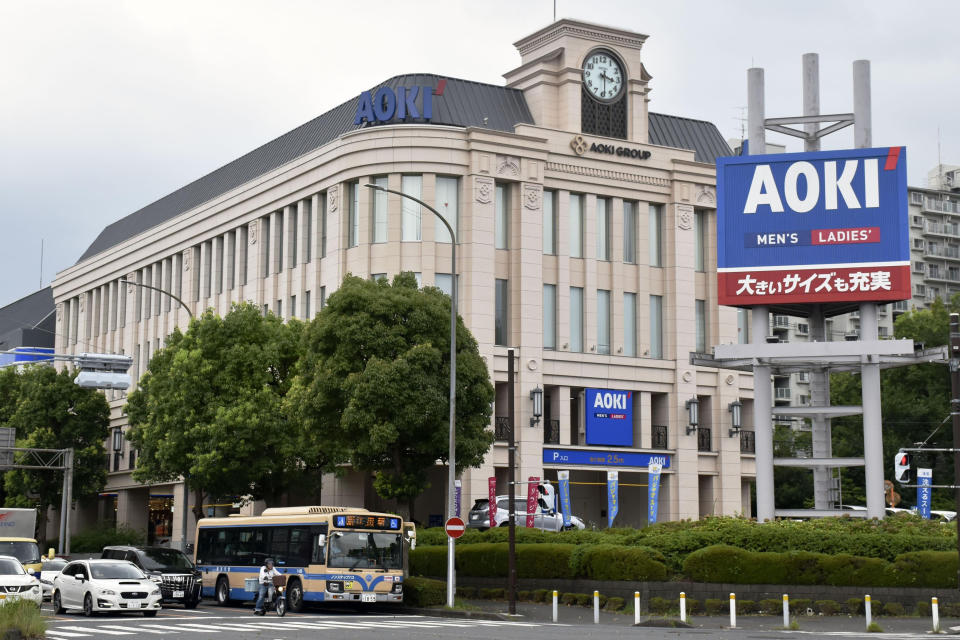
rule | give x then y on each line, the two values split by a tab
178	594
368	597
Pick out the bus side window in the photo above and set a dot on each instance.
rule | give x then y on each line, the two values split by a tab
318	537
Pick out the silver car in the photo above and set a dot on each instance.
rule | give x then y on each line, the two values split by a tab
479	517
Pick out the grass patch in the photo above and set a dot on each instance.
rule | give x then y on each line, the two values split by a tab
462	605
24	616
873	627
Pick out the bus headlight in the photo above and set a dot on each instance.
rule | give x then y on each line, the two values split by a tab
334	587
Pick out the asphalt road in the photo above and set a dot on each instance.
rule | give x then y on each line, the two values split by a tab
239	622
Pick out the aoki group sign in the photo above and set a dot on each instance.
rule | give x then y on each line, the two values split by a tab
387	104
609	417
813	227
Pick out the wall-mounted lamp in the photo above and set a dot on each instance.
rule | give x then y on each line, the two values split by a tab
117	439
693	415
536	395
735	417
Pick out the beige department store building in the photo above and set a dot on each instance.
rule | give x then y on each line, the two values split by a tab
586	242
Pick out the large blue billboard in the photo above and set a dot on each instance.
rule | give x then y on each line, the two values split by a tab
828	226
609	417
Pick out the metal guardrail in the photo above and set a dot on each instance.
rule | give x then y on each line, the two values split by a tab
551	432
658	436
704	439
748	441
501	429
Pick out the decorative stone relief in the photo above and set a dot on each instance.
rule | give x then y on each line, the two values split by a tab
532	364
729	379
83	303
483	188
531	196
252	232
333	197
706	195
186	259
508	166
685	216
59	313
484	163
685	192
687	376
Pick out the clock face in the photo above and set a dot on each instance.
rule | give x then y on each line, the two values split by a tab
603	76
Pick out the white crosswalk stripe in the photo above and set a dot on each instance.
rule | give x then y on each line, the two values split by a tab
103	631
65	634
117	627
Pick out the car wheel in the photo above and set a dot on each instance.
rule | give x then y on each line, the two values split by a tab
294	596
149	614
223	592
57	604
88	605
191	603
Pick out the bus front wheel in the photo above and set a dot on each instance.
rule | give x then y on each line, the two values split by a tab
223	591
295	596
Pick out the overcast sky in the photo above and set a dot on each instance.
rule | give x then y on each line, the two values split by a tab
107	106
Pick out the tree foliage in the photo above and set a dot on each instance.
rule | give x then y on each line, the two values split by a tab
210	406
373	384
49	411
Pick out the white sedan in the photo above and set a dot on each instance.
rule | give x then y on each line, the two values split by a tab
48	571
105	585
16	583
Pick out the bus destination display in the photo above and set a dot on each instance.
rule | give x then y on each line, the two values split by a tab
366	522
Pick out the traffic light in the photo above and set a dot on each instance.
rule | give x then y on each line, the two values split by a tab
902	471
547	497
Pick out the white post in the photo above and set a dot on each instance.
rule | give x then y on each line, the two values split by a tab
683	607
935	611
554	605
596	607
733	611
866	608
636	607
786	611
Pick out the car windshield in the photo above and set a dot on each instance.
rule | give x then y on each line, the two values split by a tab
10	567
53	565
362	550
165	560
25	552
117	571
481	505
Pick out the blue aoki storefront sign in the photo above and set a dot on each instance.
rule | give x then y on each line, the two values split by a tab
609	417
387	104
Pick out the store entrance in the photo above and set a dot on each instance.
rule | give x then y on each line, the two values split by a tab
160	524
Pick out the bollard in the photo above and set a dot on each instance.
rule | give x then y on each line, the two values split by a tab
554	605
786	611
596	607
935	612
733	611
636	607
866	608
683	607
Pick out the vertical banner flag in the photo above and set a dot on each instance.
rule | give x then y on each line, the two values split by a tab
613	496
492	484
653	491
531	499
564	478
457	491
924	480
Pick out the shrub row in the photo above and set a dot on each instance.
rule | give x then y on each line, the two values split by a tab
721	563
423	592
597	562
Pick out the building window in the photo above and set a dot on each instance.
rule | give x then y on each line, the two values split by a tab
576	319
265	244
549	222
353	222
380	210
699	239
443	282
501	223
323	297
549	316
410	210
294	234
278	308
280	240
502	326
323	224
377	277
293	306
656	235
207	255
576	225
231	250
630	232
448	204
701	321
308	217
656	327
603	229
630	324
306	305
219	247
603	321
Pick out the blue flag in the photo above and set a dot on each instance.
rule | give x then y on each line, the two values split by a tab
653	491
613	496
924	480
564	478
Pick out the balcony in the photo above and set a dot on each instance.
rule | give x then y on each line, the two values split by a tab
748	441
658	436
704	439
501	429
936	251
781	322
940	206
901	306
940	229
781	393
551	432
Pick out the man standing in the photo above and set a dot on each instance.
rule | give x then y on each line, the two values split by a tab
267	574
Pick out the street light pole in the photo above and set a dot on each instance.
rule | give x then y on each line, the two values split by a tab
451	480
186	488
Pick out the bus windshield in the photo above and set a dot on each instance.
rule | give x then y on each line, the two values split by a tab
365	550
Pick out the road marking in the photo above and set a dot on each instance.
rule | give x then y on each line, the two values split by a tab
66	634
162	628
201	628
136	629
87	629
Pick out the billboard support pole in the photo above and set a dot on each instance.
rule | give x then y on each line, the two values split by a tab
511	480
955	411
760	321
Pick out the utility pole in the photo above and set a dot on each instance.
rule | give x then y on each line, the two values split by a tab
511	480
955	415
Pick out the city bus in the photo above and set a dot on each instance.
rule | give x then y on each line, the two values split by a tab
329	554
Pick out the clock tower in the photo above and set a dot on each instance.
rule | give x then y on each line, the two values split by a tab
587	78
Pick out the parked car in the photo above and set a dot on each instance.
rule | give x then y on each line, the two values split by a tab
171	569
479	517
48	571
16	583
945	516
105	585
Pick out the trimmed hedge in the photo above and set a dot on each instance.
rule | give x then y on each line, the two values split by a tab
423	592
612	562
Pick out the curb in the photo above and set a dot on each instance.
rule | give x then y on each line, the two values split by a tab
456	613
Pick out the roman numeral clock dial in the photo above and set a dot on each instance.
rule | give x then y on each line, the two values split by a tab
603	76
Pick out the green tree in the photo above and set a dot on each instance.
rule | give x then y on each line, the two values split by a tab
209	408
375	378
49	411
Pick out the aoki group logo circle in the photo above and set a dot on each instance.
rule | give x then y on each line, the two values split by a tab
579	145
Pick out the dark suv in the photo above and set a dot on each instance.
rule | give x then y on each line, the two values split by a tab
179	580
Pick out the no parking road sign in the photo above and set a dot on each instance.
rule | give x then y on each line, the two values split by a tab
455	527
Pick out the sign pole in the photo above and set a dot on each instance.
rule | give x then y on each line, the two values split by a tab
955	414
511	481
